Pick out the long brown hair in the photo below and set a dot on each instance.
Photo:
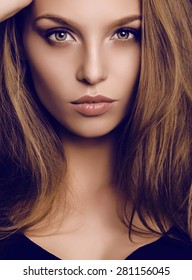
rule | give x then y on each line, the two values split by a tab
153	161
32	154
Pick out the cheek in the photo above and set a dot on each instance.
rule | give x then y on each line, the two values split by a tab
50	70
126	65
128	62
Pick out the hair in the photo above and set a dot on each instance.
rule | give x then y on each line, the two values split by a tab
153	163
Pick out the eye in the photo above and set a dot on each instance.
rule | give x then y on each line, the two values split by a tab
125	34
59	36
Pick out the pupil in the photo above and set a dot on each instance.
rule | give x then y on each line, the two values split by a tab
61	35
123	34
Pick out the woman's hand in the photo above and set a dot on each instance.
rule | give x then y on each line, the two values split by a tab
10	7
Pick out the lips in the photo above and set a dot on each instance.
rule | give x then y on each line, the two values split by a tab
92	99
91	106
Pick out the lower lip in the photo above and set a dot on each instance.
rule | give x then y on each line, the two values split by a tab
93	109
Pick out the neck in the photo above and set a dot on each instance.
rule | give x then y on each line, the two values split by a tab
88	185
89	163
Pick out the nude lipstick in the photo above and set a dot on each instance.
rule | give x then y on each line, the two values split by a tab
93	105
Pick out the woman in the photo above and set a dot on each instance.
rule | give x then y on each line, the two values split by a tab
96	130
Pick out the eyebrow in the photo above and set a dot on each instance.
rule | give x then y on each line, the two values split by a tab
63	21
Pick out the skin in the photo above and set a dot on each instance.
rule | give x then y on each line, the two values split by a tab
11	7
93	60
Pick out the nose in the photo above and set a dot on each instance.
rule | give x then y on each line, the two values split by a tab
92	70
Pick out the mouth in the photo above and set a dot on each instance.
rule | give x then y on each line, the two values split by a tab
92	99
90	106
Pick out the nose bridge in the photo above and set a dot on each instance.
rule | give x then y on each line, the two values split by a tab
92	68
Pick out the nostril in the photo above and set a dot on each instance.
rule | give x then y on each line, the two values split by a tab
85	81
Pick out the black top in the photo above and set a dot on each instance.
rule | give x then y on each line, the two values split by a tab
19	247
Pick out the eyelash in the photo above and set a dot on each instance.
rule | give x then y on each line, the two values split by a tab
127	31
58	31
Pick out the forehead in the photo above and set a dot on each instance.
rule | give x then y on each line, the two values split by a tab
87	11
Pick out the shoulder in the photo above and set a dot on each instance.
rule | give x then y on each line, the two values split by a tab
8	246
178	247
19	247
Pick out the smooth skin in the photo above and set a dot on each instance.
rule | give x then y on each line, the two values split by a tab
92	58
10	7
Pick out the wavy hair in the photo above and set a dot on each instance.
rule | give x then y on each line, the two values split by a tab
155	159
153	163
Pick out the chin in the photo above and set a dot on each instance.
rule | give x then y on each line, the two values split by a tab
89	133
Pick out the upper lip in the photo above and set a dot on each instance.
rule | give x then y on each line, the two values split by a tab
92	99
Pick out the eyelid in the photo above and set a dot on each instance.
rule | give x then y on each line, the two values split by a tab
49	32
134	31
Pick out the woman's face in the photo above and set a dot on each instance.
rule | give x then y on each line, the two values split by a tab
85	60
